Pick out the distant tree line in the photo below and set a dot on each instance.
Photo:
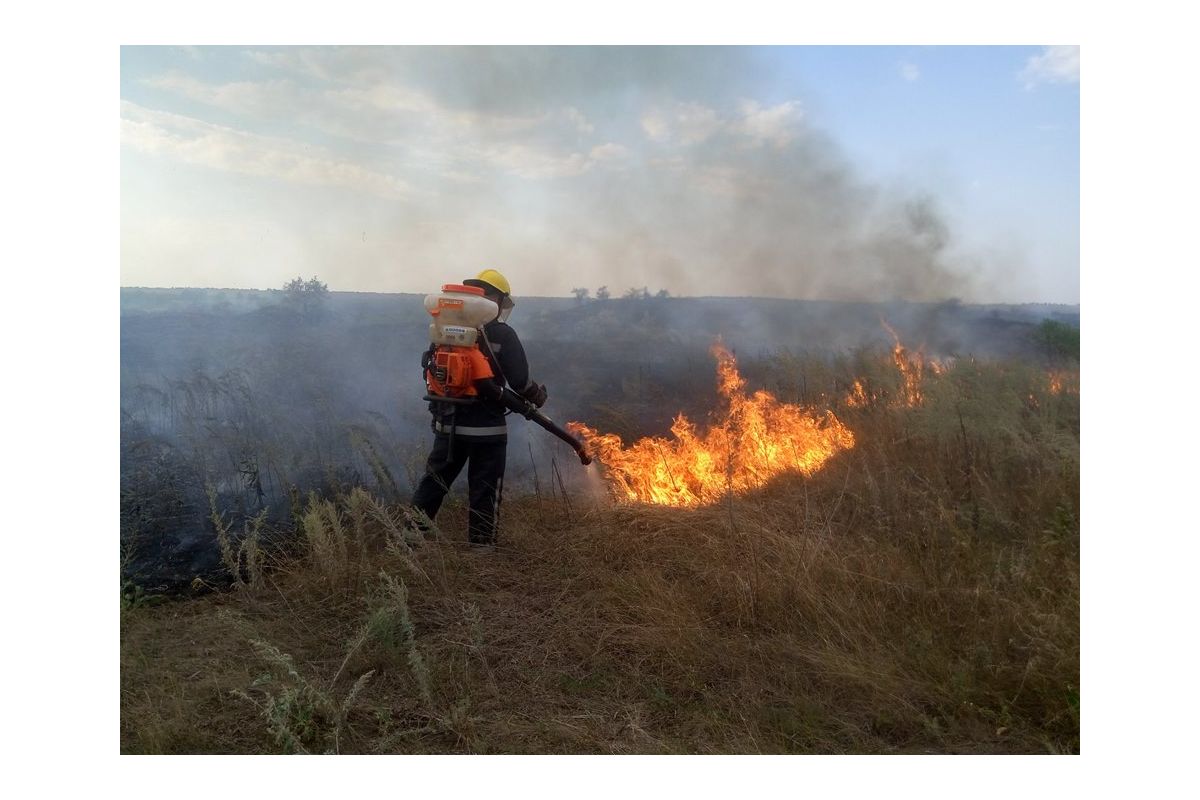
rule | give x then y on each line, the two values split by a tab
583	294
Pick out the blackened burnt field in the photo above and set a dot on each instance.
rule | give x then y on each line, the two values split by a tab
918	593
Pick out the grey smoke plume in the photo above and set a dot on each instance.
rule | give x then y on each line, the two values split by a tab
697	170
788	223
718	194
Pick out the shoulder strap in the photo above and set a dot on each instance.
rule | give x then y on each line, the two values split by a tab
491	356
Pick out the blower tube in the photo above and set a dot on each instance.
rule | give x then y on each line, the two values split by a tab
529	411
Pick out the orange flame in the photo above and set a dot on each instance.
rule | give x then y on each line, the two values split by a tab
912	373
756	439
857	398
1062	381
911	368
940	367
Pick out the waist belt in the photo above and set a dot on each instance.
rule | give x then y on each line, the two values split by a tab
471	430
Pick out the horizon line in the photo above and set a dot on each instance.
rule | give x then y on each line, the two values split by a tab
948	300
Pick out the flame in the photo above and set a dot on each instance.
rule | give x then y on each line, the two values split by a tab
911	369
755	439
858	396
940	367
1063	381
912	373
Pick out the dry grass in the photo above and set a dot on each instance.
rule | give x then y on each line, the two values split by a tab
921	594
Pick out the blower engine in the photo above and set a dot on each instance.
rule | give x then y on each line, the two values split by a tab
456	370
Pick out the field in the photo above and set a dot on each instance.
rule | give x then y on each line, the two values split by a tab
919	593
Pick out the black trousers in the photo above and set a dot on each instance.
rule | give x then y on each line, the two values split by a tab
485	481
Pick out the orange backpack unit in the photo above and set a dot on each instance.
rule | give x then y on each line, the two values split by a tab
454	361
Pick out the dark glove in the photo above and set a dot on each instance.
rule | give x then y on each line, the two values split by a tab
535	393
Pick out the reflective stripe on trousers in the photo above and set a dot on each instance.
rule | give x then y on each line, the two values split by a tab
471	430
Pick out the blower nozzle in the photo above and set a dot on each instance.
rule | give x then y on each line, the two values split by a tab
529	411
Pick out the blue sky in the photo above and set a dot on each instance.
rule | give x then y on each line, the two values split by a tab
1001	147
827	172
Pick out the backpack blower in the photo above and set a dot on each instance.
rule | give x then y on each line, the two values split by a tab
457	371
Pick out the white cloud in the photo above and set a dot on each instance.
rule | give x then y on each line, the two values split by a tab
909	71
367	112
695	122
577	118
242	97
1056	64
379	97
193	141
373	109
777	124
609	151
656	125
458	144
299	61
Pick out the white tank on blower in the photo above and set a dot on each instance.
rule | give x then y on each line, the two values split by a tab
458	313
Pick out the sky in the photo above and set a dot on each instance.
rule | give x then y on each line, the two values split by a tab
846	173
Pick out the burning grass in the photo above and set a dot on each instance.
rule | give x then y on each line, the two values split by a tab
754	439
919	593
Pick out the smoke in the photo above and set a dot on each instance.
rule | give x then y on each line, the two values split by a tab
697	170
239	391
717	194
792	222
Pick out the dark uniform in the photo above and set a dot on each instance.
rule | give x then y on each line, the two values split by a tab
480	441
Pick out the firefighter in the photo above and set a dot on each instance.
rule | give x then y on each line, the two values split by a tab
475	434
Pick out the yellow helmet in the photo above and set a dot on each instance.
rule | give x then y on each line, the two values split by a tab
494	279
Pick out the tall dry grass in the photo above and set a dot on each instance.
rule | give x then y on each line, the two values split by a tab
920	594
